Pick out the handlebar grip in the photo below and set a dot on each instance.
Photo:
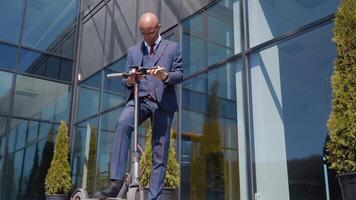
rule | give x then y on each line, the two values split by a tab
117	75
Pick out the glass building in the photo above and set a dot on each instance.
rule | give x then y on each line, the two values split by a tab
254	101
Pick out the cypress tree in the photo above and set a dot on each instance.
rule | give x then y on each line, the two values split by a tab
341	146
58	179
172	174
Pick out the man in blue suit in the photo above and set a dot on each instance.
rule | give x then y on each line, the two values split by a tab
158	102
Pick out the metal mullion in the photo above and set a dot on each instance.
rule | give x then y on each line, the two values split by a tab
94	10
251	185
46	52
7	70
198	36
99	130
218	17
179	116
33	119
43	78
100	113
75	73
292	34
213	66
8	43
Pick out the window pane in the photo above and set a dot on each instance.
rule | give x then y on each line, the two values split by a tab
10	20
193	53
211	36
30	160
290	88
107	132
47	24
45	65
32	131
2	126
84	155
38	154
269	19
66	70
93	81
209	153
88	102
41	99
7	56
114	93
194	24
13	175
217	53
19	128
5	90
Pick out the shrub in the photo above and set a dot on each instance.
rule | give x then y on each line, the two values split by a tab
58	180
341	146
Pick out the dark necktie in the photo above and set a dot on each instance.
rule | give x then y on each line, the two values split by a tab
152	50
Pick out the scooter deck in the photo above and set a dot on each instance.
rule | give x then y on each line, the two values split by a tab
105	199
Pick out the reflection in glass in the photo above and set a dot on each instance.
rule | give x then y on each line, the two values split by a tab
12	175
5	90
107	132
209	165
7	56
211	36
10	20
194	24
37	154
41	99
88	102
193	53
268	19
290	88
32	131
21	132
114	93
49	25
45	65
94	80
2	126
30	163
84	155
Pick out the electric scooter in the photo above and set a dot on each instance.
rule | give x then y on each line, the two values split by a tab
131	189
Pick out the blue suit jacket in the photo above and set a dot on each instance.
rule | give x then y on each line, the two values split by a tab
168	56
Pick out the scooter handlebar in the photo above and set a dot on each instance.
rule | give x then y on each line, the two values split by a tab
139	70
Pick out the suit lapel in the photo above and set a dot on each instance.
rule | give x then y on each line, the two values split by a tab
162	46
140	55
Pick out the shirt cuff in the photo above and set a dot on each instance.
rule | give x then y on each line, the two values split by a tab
167	79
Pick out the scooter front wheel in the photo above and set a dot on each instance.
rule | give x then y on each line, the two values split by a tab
79	194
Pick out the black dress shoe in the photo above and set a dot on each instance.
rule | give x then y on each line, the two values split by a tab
112	191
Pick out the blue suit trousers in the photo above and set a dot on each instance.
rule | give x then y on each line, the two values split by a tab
161	124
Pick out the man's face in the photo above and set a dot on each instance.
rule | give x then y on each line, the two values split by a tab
150	33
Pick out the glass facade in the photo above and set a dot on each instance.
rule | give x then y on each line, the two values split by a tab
37	41
290	94
254	101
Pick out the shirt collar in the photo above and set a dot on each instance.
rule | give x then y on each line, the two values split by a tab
156	42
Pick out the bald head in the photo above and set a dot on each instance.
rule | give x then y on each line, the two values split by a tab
149	27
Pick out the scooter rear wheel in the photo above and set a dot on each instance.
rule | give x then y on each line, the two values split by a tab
79	194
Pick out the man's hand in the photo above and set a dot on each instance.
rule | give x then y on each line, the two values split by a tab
130	80
159	73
